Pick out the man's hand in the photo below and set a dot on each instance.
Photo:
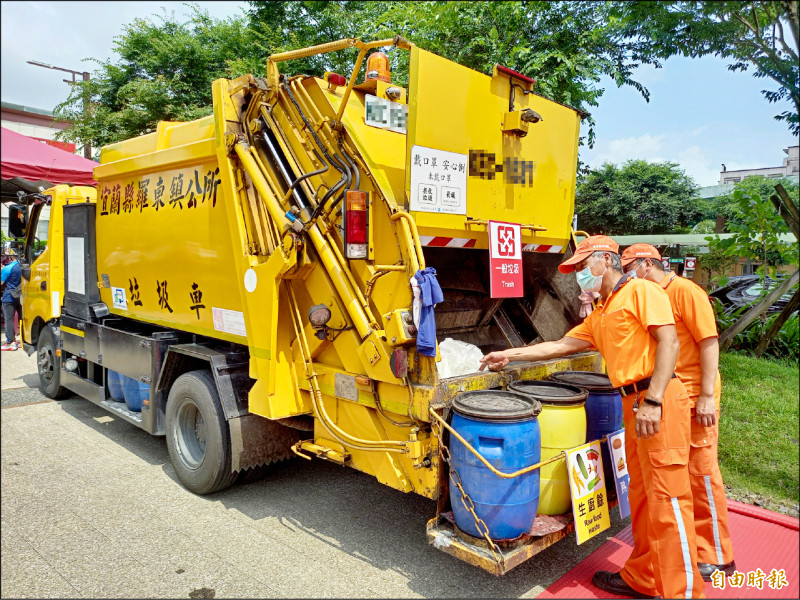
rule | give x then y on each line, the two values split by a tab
647	419
705	410
494	360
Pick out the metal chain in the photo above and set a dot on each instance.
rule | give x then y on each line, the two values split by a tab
455	478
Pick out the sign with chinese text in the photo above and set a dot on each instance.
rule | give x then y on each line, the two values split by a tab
616	449
505	260
438	181
588	488
690	262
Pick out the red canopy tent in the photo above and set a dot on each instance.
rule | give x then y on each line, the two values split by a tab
35	161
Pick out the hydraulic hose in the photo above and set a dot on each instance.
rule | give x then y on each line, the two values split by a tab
339	165
311	129
338	434
276	157
352	165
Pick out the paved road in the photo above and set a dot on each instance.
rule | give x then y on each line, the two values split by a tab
91	507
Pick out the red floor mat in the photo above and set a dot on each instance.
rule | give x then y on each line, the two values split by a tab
761	539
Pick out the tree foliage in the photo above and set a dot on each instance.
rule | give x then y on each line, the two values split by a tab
760	34
565	46
162	71
637	198
756	234
163	68
759	185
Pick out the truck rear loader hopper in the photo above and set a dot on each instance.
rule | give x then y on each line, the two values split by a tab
250	270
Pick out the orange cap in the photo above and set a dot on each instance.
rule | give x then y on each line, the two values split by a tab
637	251
594	243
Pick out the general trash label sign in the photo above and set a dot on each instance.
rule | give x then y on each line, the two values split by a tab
616	449
588	488
505	260
690	263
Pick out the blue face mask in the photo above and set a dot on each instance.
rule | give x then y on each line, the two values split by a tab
587	281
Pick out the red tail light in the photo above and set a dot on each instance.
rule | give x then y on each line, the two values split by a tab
355	237
334	79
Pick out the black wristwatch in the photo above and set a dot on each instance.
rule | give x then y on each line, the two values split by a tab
652	402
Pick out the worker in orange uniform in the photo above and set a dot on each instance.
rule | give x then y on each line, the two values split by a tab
634	330
698	370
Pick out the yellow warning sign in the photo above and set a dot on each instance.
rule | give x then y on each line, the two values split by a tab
587	484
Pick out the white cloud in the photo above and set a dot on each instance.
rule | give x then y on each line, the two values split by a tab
698	166
696	162
647	147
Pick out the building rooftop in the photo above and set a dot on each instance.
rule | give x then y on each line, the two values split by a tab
713	191
27	109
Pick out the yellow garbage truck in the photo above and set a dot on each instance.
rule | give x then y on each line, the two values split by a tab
248	275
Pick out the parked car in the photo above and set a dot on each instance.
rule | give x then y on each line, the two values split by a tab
746	290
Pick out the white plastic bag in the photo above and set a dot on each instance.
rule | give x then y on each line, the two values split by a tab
458	358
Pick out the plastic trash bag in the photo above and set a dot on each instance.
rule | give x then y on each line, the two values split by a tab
458	358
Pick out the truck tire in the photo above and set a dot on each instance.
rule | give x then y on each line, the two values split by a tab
197	434
48	365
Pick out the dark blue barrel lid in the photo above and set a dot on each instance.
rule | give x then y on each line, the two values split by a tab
588	380
550	392
496	405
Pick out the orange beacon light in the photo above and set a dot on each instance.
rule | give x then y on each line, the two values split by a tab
378	67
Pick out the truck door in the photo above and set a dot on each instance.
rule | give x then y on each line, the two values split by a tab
40	302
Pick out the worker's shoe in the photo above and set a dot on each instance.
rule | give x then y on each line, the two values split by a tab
707	569
613	583
7	347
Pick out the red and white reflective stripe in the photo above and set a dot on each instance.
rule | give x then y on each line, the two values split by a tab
542	248
447	242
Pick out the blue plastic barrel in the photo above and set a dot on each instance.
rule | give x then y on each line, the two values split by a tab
504	428
135	393
603	408
115	386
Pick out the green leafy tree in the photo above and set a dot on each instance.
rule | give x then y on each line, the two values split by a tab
759	35
303	24
758	185
637	198
565	46
757	234
161	71
717	264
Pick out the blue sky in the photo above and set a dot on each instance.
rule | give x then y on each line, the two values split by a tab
699	115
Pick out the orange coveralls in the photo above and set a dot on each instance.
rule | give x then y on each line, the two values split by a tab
694	322
664	557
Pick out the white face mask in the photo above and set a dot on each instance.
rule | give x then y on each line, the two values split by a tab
589	282
633	273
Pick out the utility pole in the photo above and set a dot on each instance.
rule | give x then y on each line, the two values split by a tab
87	148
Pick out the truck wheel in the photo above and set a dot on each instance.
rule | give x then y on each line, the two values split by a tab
49	365
197	434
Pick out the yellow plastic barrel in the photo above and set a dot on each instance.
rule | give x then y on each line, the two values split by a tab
563	426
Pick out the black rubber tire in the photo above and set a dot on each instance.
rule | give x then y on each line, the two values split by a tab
197	434
49	366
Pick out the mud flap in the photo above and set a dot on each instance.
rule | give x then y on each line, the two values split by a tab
257	441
